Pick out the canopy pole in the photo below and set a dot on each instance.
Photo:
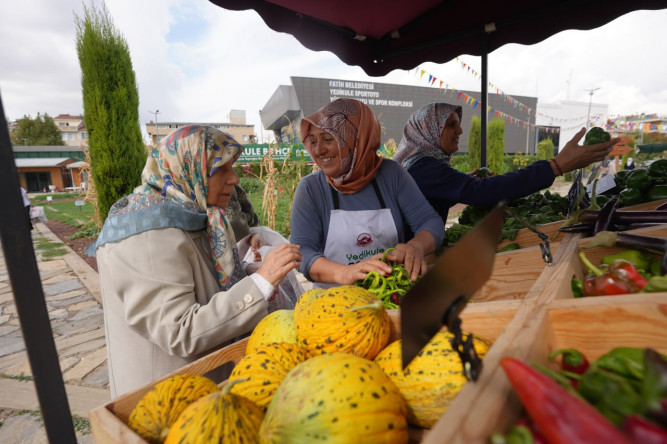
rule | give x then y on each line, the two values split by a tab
483	111
29	299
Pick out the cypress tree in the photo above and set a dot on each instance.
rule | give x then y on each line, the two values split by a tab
110	107
496	145
475	143
545	149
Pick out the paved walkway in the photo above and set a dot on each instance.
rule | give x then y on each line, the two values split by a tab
71	290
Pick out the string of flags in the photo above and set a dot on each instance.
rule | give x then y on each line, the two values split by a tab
507	97
476	104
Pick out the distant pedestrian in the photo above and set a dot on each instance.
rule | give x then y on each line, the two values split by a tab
630	164
26	206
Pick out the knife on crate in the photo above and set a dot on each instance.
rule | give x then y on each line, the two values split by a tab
440	296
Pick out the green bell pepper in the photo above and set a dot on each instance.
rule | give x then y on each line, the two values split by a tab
621	176
658	168
613	395
509	247
654	268
638	259
624	361
638	179
596	135
577	286
630	196
655	284
657	192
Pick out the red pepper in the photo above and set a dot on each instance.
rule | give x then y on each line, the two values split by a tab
643	431
572	360
621	278
561	417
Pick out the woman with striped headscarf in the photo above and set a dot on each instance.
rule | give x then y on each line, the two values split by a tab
172	284
432	135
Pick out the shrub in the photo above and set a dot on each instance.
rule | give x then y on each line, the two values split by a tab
496	150
475	142
545	149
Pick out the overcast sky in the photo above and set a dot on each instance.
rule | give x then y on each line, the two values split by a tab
195	61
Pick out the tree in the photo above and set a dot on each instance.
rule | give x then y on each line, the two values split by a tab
496	145
545	149
40	131
475	143
110	107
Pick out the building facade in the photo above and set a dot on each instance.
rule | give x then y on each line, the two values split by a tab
235	127
393	105
42	167
72	129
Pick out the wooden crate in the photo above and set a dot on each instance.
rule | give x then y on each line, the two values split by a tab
109	421
526	238
592	325
546	317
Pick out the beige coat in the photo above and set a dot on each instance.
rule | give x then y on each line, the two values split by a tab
162	307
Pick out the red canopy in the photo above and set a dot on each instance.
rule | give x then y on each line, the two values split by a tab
380	36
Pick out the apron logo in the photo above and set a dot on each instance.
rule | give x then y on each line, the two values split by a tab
364	239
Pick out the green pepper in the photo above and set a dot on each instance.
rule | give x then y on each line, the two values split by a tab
635	257
657	192
630	196
654	268
577	286
509	247
613	395
596	135
658	168
638	179
655	284
620	177
483	172
624	361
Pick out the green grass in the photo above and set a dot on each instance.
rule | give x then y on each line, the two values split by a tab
69	213
21	377
50	249
81	424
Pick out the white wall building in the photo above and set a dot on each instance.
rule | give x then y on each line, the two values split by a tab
571	116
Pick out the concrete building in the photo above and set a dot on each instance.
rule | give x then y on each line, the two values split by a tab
72	129
570	116
393	105
236	127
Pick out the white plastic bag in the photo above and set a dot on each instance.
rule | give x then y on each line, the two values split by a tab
289	289
37	214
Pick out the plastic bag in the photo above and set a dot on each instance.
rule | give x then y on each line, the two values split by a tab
37	214
289	289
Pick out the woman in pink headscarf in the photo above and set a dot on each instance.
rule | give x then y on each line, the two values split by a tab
358	204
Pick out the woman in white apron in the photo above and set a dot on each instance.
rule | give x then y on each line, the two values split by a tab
358	205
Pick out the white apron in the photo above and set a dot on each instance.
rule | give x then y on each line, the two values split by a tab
357	235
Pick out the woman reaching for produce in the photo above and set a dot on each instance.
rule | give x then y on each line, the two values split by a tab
430	138
357	205
171	280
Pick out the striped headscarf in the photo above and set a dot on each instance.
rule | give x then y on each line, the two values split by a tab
421	135
173	194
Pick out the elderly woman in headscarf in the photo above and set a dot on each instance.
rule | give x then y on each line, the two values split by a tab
430	138
357	205
172	284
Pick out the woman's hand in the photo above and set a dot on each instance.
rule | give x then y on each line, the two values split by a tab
280	261
574	156
255	242
350	274
411	257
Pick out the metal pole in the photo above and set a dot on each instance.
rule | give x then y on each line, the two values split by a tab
157	130
590	102
483	111
29	299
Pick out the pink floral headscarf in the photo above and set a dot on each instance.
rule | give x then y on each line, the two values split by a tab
353	125
421	135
